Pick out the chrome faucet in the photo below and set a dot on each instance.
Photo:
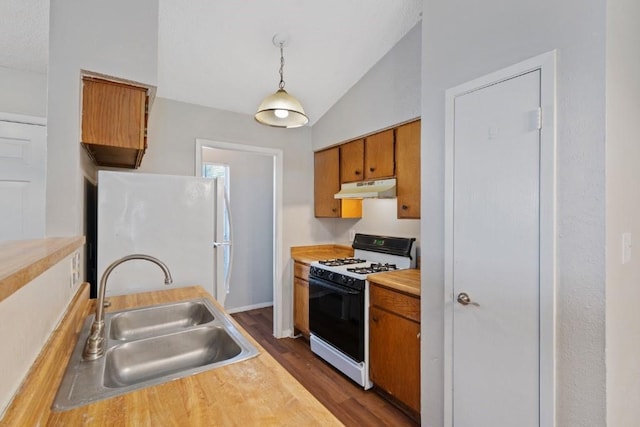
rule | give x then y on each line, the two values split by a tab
94	347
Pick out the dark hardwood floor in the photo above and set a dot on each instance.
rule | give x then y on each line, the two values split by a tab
345	399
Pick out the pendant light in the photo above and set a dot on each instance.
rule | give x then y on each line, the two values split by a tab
281	109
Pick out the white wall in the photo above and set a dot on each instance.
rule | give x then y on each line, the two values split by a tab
251	199
466	39
118	38
28	317
388	94
623	212
379	216
23	92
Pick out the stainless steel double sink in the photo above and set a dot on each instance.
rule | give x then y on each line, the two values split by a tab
149	346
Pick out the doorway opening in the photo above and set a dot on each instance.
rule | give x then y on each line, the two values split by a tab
271	233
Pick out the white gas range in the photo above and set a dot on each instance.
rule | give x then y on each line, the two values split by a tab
339	301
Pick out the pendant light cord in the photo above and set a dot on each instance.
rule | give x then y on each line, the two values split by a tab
281	85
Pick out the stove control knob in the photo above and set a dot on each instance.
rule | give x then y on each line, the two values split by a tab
351	280
330	276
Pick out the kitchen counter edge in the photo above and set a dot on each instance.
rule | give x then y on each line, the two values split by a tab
407	281
21	261
257	391
309	254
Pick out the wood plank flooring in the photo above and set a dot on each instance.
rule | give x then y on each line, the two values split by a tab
345	399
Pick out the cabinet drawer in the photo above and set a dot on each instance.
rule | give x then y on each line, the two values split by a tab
395	302
301	270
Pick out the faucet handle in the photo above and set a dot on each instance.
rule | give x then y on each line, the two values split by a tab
106	304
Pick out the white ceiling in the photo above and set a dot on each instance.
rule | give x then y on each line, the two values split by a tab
219	53
24	34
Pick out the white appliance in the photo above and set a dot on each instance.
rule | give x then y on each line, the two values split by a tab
339	301
176	219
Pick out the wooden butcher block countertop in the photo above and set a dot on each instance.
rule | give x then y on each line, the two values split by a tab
255	392
407	281
308	254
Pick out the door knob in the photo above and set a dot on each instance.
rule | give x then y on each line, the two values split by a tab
464	299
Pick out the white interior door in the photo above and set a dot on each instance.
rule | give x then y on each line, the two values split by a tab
22	181
496	255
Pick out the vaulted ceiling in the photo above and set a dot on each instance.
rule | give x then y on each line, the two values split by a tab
220	53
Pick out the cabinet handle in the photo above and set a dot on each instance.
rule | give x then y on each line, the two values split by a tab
357	172
372	169
405	207
374	318
334	210
418	336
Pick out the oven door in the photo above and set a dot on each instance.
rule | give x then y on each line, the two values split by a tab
336	314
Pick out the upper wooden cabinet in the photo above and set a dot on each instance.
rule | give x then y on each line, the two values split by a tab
408	170
393	152
368	158
379	156
114	122
352	161
326	183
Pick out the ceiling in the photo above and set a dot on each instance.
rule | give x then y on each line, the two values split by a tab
220	54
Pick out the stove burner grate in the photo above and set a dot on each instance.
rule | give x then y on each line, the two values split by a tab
341	261
373	268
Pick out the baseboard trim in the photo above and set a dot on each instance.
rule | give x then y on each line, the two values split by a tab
249	307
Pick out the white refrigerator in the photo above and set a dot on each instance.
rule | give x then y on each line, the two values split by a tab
177	219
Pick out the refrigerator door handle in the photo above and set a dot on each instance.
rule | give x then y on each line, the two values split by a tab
227	279
221	244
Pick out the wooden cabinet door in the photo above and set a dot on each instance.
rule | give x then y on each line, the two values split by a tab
326	183
394	355
408	170
114	120
352	161
379	156
301	305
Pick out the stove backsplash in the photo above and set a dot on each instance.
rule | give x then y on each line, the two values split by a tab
379	217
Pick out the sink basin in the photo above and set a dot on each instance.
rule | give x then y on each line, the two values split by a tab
142	360
158	320
149	346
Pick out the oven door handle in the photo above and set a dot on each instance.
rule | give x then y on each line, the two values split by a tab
336	288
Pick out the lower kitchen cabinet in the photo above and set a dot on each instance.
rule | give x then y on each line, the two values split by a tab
301	298
394	344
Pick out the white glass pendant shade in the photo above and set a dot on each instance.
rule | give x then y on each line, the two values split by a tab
281	110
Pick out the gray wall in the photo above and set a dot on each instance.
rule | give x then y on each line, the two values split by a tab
94	36
463	40
623	212
23	92
388	94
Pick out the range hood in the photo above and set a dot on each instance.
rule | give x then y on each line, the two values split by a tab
380	189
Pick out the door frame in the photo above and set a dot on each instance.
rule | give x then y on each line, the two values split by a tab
546	63
277	157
